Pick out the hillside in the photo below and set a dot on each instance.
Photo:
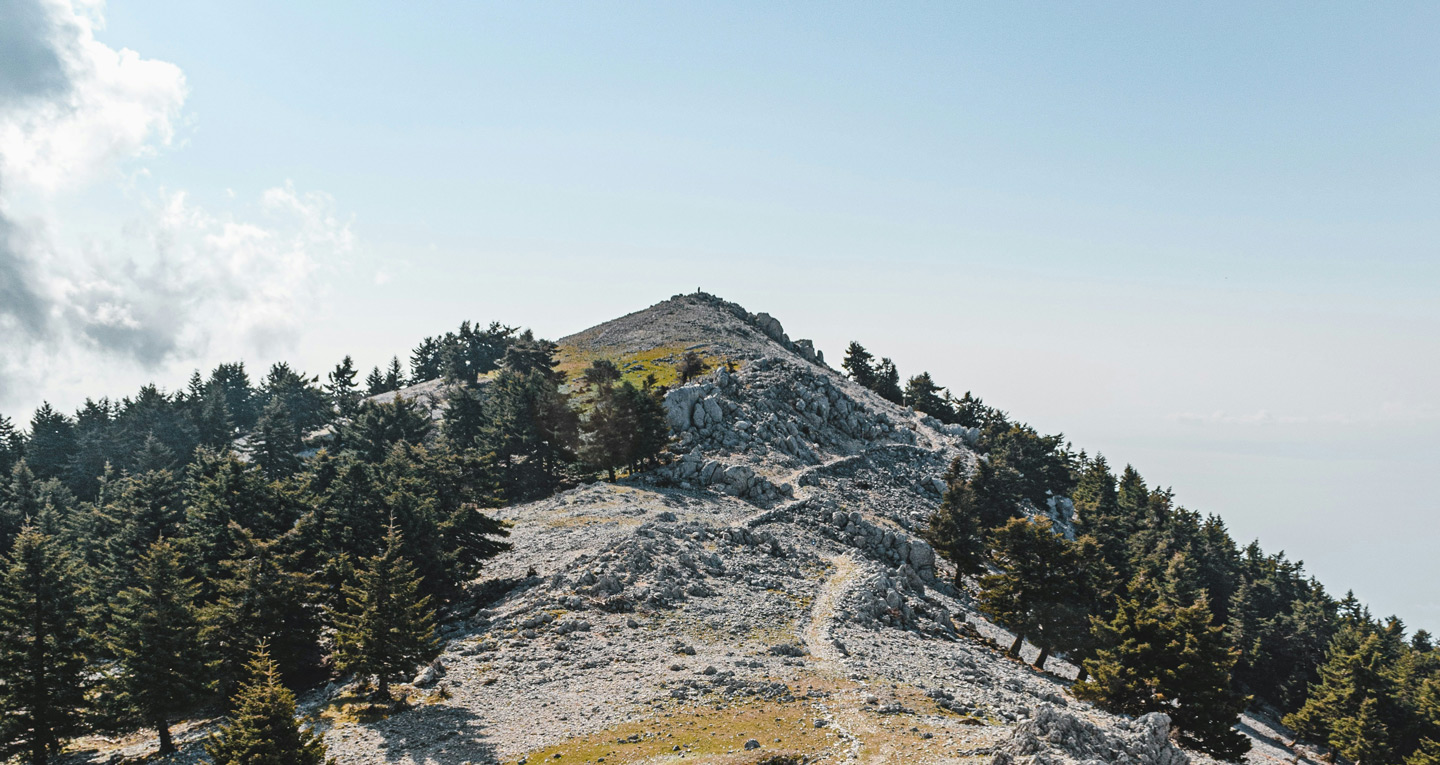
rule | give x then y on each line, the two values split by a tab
768	587
763	597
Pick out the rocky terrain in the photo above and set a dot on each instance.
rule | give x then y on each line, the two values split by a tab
764	598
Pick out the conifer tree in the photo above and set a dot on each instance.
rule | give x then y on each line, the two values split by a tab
887	382
156	638
223	496
1039	591
377	426
214	425
263	600
136	511
385	627
19	501
690	366
51	443
859	364
955	529
602	373
12	446
42	654
262	729
608	438
375	382
923	395
1161	657
342	388
465	419
276	441
1350	707
394	375
1428	753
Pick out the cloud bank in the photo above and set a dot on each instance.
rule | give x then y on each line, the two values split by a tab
182	279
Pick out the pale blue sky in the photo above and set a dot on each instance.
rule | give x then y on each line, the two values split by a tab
1199	239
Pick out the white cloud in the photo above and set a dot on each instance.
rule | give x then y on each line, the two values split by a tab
182	282
104	105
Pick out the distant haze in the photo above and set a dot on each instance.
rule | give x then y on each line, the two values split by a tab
1199	240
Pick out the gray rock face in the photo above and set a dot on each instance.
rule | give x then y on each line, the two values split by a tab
1054	737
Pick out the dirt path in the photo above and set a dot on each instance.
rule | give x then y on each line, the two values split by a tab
817	631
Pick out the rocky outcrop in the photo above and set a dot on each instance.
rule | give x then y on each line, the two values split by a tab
1055	737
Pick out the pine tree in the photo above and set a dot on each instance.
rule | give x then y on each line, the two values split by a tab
385	628
955	529
276	441
859	364
156	638
51	444
1162	657
602	373
608	438
1358	671
12	445
262	729
923	395
375	383
263	600
1428	753
42	654
690	366
887	382
1039	591
378	426
394	375
213	422
342	389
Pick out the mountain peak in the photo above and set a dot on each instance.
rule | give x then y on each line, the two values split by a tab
694	320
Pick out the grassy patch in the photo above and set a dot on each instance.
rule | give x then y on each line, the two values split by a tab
703	733
634	367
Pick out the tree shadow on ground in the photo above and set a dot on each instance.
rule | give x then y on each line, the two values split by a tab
436	733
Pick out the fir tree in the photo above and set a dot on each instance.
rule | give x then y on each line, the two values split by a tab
1350	706
955	529
377	426
385	628
1428	753
465	420
690	366
601	374
12	445
1166	658
263	600
1039	590
262	729
156	638
608	438
239	395
375	383
42	654
276	441
51	443
887	382
394	375
342	388
923	395
215	426
859	364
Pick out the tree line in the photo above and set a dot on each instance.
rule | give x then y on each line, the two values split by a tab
169	554
1157	605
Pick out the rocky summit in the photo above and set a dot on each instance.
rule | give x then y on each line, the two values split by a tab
764	597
